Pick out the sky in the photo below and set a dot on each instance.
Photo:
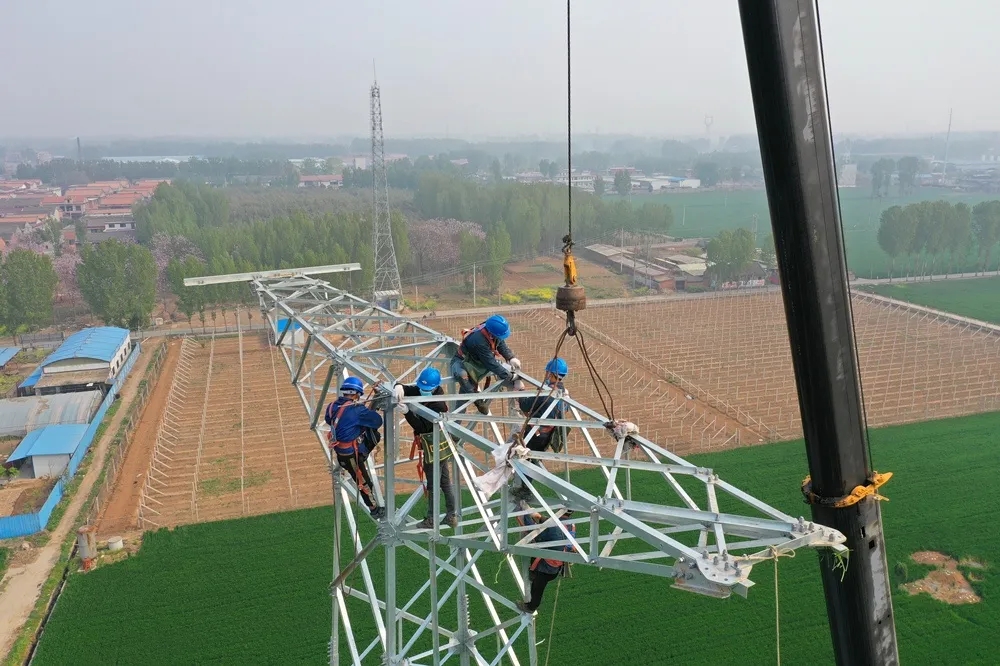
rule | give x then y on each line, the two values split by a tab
257	69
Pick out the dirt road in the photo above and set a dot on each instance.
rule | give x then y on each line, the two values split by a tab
121	512
21	585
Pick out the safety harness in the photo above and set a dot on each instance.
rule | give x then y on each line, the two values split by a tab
347	449
556	564
420	451
475	370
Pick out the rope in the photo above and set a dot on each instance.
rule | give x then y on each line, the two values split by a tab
775	554
569	121
552	623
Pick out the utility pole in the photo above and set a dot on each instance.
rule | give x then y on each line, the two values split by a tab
473	284
788	84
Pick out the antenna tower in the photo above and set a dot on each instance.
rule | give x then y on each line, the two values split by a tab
386	288
947	140
708	130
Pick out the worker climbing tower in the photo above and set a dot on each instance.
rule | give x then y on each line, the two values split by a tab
386	287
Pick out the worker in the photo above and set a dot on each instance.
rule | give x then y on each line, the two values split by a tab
536	406
543	570
353	436
477	356
429	383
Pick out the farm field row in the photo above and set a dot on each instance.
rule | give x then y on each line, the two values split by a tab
978	298
255	590
705	213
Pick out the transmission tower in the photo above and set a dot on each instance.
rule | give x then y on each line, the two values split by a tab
386	287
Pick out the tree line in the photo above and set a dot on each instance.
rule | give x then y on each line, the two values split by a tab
936	233
222	171
534	215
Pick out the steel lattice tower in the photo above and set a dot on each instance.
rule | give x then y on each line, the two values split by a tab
386	287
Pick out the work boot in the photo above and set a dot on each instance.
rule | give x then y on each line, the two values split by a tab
451	521
426	524
483	407
523	607
378	513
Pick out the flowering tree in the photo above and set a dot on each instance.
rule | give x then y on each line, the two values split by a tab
435	243
165	248
68	290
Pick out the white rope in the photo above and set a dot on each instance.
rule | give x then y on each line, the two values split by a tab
552	624
775	554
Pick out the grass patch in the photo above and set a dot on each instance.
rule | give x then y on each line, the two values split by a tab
978	298
219	592
4	560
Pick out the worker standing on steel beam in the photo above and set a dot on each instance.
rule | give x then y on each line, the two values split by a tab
537	406
543	570
476	358
429	383
353	436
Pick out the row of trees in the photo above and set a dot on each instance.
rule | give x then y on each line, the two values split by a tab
117	281
906	173
534	215
937	233
62	171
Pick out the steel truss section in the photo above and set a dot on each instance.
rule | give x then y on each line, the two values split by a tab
694	529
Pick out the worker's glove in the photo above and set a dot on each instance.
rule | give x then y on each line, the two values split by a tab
398	395
518	385
515	363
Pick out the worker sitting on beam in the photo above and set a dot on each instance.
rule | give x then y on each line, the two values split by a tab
543	570
477	357
353	436
429	383
538	406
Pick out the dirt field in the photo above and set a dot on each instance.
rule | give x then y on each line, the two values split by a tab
121	514
736	348
234	438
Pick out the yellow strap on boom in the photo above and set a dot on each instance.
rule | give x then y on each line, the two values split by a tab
859	493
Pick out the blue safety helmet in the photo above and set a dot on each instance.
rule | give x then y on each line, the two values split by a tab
498	327
352	384
429	379
557	366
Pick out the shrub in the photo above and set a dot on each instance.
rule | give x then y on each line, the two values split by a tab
510	299
537	294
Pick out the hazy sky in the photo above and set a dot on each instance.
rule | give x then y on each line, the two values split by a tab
302	68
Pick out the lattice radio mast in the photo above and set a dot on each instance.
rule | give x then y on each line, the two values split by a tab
386	287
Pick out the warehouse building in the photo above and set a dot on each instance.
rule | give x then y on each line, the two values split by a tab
88	360
19	416
45	452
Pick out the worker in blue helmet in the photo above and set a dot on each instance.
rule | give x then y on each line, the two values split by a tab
353	436
537	406
428	384
478	354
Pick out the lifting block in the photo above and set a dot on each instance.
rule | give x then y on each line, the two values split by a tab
571	299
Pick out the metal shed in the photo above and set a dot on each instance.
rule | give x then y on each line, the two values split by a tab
48	449
87	360
19	416
6	354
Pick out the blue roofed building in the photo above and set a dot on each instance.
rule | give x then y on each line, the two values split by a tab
45	452
88	360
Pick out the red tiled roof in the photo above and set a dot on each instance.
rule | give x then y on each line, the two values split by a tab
122	199
21	219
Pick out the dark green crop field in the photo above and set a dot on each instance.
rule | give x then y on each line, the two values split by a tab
978	298
256	590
